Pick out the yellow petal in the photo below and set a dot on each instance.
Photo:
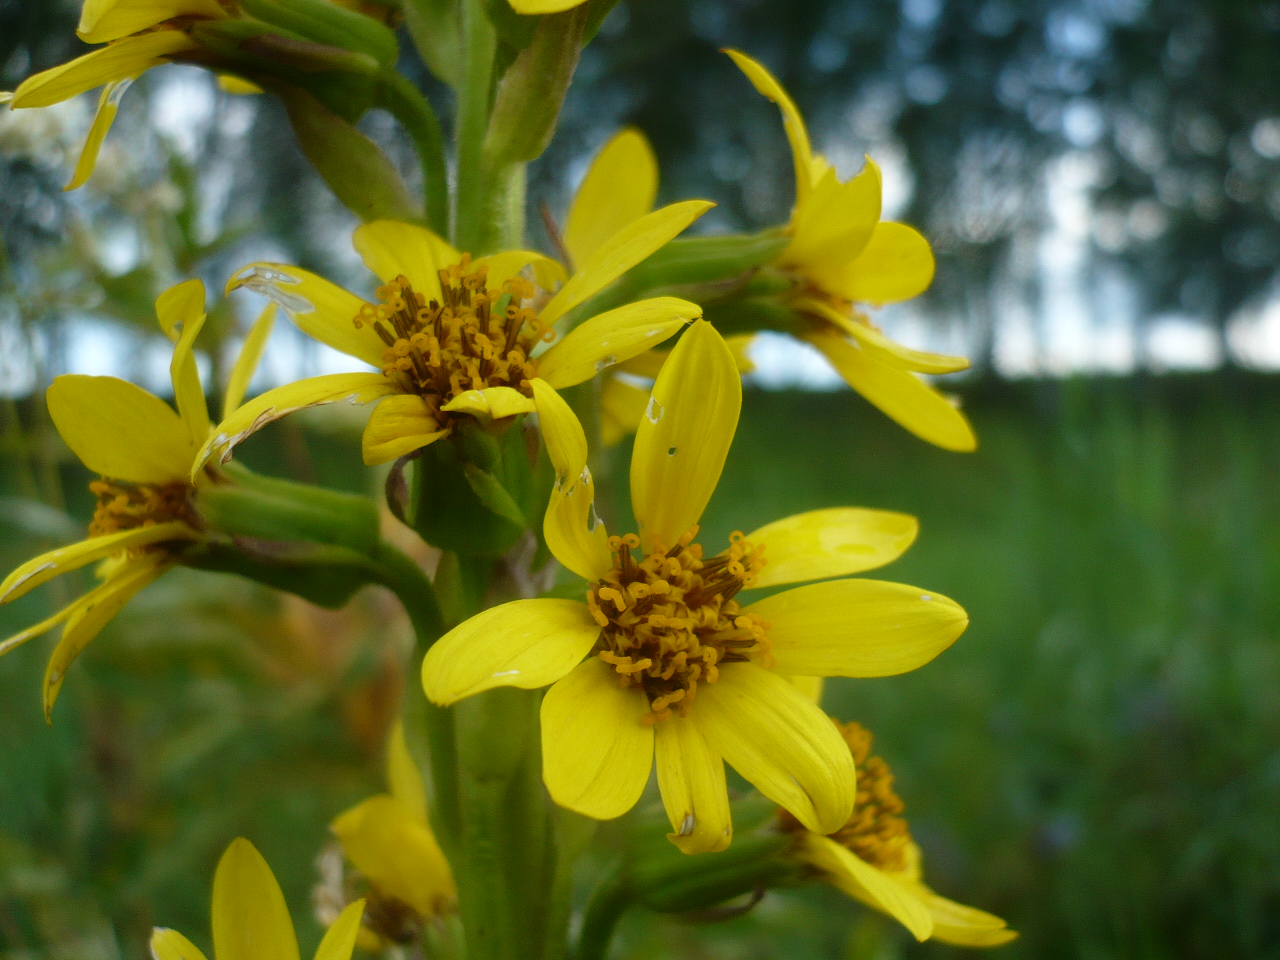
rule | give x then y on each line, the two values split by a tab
171	945
858	628
899	394
620	186
960	925
836	221
621	252
400	424
47	624
691	780
120	430
896	264
238	86
544	6
108	105
118	61
780	741
740	346
403	776
92	613
321	310
505	265
250	919
391	248
596	749
865	883
180	310
574	534
801	152
873	340
648	364
831	543
524	643
57	562
340	939
493	403
684	436
397	852
811	687
247	362
621	407
105	20
613	337
282	401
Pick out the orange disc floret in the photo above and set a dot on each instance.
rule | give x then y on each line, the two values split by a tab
669	620
471	338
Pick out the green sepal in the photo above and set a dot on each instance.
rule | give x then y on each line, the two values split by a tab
750	314
325	575
356	170
668	881
514	30
708	260
703	269
329	23
450	514
597	12
493	494
436	29
277	59
268	508
532	90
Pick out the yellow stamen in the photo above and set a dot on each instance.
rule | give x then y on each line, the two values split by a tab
670	618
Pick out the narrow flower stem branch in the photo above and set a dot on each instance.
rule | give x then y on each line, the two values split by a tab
474	102
403	101
607	905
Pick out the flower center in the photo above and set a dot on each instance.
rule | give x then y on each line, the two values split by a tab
876	833
669	620
476	338
126	506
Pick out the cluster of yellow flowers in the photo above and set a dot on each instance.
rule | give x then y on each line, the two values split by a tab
656	653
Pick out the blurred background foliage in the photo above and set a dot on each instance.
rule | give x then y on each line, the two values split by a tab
1097	760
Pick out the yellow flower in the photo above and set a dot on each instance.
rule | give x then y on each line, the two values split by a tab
250	919
872	858
139	35
388	839
619	188
843	254
453	337
662	657
544	6
144	452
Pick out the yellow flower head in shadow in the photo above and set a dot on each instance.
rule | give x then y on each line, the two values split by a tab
453	337
250	919
139	35
144	451
843	254
388	840
872	858
663	658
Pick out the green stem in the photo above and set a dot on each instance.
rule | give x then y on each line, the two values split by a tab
403	101
605	909
475	99
404	577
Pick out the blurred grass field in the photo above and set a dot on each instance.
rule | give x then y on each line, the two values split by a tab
1097	759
